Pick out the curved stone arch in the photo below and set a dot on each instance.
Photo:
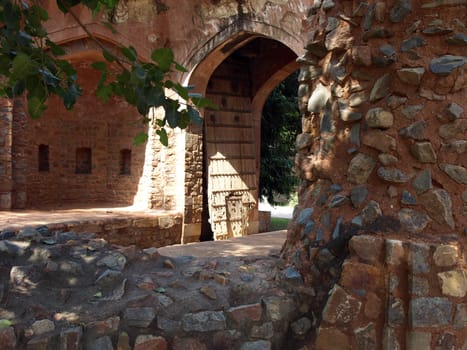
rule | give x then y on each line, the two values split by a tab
207	57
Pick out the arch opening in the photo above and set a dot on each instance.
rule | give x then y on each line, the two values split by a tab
231	136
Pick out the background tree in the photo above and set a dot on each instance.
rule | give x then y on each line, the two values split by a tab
31	65
280	123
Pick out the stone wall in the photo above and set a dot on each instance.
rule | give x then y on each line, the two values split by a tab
6	182
383	151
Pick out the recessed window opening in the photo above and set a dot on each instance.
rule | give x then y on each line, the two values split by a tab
43	157
83	160
125	162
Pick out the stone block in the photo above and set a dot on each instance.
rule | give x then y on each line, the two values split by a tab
98	329
150	342
373	306
139	316
256	345
453	283
361	277
331	338
367	248
341	307
430	312
204	321
187	344
7	338
264	331
418	340
460	319
70	339
395	252
390	341
419	254
278	308
245	313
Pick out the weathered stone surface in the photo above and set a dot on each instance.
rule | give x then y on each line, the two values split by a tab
430	94
139	316
460	319
456	172
422	182
371	212
413	221
446	341
278	308
102	343
410	112
423	152
188	344
390	341
373	306
338	201
439	206
394	101
453	283
444	65
456	146
387	159
357	276
419	254
43	326
418	340
361	55
400	10
318	98
7	338
341	307
430	312
415	131
331	338
263	331
411	76
395	312
458	39
419	286
379	140
412	43
395	252
147	342
360	168
204	321
301	327
303	141
408	198
340	38
446	255
123	342
256	345
98	329
450	130
454	111
381	88
114	260
368	248
358	195
366	337
245	313
379	118
392	175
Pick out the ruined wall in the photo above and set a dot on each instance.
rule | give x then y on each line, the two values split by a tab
383	151
57	174
6	129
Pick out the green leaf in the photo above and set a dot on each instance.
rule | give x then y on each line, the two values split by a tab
141	138
164	57
22	66
171	113
35	107
195	117
109	26
100	66
130	53
56	50
5	323
164	139
104	92
181	90
180	68
108	56
203	102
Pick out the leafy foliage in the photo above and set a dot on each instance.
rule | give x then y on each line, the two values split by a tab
30	64
279	124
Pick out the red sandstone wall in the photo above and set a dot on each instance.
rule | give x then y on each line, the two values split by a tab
104	128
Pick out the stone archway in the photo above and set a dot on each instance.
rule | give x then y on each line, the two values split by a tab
239	84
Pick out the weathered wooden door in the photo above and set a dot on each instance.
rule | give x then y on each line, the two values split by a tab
230	150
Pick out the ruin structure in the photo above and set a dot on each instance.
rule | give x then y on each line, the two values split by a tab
380	230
